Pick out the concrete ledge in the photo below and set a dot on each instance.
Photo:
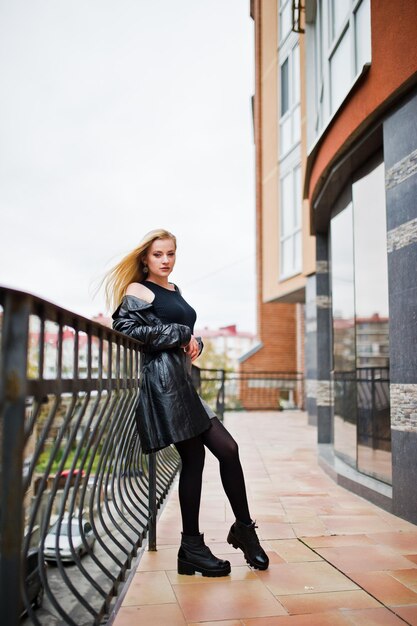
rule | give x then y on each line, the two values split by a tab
343	474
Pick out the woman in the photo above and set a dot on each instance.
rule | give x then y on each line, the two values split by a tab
153	311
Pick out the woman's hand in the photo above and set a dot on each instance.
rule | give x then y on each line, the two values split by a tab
192	349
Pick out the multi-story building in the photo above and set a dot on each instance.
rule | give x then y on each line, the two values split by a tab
335	113
227	342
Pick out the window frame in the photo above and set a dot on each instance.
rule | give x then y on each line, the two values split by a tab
326	43
294	104
295	230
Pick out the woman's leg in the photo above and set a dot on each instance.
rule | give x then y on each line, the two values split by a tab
194	555
192	455
242	534
221	443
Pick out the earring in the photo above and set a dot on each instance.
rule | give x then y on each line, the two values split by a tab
145	269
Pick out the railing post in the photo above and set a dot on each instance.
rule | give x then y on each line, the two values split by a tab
12	415
152	502
221	396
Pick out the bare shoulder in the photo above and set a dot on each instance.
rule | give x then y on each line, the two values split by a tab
140	291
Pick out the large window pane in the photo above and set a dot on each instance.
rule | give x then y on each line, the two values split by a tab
287	255
340	11
296	74
287	204
340	72
344	370
286	141
297	196
297	251
296	121
285	91
285	20
363	35
372	339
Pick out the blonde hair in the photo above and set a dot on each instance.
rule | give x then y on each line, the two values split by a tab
130	268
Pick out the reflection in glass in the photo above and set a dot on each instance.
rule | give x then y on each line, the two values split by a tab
340	72
372	338
363	34
285	87
285	21
344	374
340	11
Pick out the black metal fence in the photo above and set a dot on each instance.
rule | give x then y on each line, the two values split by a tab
362	397
250	390
78	496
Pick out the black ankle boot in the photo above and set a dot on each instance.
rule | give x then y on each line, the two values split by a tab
245	537
194	556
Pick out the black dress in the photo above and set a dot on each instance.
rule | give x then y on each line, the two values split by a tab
170	306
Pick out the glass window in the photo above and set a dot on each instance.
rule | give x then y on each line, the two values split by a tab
297	196
286	141
291	223
359	283
372	319
362	35
287	256
296	74
344	375
297	249
285	95
290	126
340	11
342	45
285	19
287	200
340	72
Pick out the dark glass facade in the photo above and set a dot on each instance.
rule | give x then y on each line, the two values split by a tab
359	289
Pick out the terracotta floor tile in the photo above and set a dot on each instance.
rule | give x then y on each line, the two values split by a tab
373	617
364	558
228	600
227	622
237	573
275	531
330	618
411	557
330	541
407	577
149	588
404	543
157	615
310	528
162	559
293	551
321	602
299	578
354	523
385	588
409	613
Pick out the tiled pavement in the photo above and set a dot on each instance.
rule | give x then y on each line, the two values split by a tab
336	560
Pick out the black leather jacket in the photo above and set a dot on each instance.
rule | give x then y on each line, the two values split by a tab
169	409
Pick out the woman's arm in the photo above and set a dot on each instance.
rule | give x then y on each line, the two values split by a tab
157	337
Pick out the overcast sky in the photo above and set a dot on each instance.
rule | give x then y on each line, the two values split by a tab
117	117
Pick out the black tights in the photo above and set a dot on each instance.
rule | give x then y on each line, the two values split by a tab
220	442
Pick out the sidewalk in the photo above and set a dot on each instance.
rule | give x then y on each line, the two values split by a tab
336	560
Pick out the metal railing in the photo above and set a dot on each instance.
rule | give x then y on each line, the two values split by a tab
250	390
76	490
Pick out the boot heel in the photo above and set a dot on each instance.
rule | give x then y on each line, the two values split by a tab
185	568
231	541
